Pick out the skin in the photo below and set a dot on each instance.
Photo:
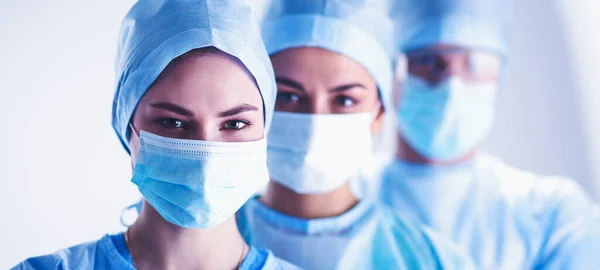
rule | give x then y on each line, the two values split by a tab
317	81
446	65
193	99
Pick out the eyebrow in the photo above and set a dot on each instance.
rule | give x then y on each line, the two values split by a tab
347	87
293	84
289	83
173	108
237	110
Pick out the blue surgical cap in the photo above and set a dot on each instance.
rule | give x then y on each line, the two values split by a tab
155	32
358	29
477	24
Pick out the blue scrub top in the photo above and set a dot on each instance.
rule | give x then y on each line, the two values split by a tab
366	237
504	218
111	252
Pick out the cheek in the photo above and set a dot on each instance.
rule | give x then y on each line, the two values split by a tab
257	131
256	134
369	103
377	124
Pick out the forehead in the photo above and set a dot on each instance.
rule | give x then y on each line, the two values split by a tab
209	81
311	63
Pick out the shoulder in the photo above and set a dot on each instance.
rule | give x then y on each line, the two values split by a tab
554	202
51	261
519	188
539	193
568	218
76	257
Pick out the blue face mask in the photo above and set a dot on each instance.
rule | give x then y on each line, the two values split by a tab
198	184
446	121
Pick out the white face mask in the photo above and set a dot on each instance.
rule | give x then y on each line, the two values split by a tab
448	120
318	153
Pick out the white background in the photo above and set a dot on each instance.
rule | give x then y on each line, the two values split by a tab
65	178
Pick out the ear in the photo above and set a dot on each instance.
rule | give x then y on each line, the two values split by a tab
378	122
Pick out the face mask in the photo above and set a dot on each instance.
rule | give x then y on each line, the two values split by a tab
449	120
318	153
198	184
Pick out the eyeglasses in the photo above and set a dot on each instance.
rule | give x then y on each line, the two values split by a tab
435	64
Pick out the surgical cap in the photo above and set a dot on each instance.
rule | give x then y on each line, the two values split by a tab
358	29
477	24
155	32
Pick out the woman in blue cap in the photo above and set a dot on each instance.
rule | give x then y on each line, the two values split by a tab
194	99
333	72
504	218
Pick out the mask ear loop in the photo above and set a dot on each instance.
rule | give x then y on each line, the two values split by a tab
138	208
136	205
138	137
134	131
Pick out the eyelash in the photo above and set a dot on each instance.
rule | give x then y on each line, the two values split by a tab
164	122
339	101
246	123
286	97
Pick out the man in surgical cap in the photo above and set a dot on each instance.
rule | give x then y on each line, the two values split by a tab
456	54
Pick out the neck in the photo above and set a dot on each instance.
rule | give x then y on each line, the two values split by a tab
406	153
155	243
309	206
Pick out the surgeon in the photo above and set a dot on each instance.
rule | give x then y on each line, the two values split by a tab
332	61
456	52
194	100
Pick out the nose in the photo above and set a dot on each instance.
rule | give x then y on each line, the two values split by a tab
315	103
204	134
200	130
320	105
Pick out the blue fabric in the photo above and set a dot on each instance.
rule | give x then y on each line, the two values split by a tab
504	218
366	237
101	254
155	32
111	252
189	182
479	24
118	241
264	259
446	121
358	29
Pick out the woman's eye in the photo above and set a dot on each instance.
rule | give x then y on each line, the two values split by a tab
234	125
287	97
345	101
171	123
